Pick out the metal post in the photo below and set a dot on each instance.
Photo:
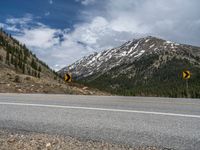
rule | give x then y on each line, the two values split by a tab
187	89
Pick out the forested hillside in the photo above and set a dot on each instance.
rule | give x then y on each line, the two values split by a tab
17	56
144	67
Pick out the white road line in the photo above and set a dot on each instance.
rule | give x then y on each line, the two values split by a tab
102	109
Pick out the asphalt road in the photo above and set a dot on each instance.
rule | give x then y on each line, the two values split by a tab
165	122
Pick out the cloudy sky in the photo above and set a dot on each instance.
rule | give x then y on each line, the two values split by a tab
62	31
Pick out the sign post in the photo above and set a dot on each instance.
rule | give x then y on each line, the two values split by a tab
186	76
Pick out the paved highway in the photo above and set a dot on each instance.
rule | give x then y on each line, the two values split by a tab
166	122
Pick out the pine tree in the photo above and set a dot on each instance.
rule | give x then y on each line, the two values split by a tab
38	74
25	58
23	68
34	64
35	74
1	58
29	70
39	69
15	62
12	59
8	57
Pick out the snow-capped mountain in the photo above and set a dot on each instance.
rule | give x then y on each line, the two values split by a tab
125	54
147	66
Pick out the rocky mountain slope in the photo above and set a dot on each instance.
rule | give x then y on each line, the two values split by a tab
147	66
21	71
16	56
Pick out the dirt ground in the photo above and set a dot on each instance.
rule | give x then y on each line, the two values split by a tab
11	82
36	141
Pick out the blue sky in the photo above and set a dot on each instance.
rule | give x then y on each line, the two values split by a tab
62	31
60	14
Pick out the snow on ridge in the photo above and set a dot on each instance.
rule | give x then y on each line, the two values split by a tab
140	53
131	49
94	58
155	49
91	73
128	43
91	61
172	44
136	45
98	55
151	45
147	40
71	67
106	52
123	53
134	53
169	42
105	55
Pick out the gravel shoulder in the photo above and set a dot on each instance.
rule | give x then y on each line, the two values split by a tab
36	141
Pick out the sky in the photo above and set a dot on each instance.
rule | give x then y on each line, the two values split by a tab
60	32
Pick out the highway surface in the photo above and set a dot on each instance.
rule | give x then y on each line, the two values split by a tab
166	122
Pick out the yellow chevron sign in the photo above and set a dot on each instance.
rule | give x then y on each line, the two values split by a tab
68	77
186	74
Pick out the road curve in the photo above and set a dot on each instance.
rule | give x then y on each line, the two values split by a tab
165	122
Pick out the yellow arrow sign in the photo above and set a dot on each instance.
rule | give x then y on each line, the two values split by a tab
186	74
68	77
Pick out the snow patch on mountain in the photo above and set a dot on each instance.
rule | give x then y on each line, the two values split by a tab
152	46
141	52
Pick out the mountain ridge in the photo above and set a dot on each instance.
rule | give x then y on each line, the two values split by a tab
133	45
137	63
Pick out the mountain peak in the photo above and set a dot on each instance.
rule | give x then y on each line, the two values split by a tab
125	54
146	66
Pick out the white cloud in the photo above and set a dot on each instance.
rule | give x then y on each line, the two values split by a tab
47	13
22	21
176	20
99	34
2	25
83	40
173	19
41	37
12	28
86	2
9	27
51	2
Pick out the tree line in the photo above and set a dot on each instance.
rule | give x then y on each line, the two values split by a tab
18	56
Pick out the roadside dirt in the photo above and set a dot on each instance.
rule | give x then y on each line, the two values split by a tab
12	82
36	141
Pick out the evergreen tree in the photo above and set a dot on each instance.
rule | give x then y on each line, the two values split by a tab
1	58
34	64
23	68
12	59
7	57
15	62
38	74
39	69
